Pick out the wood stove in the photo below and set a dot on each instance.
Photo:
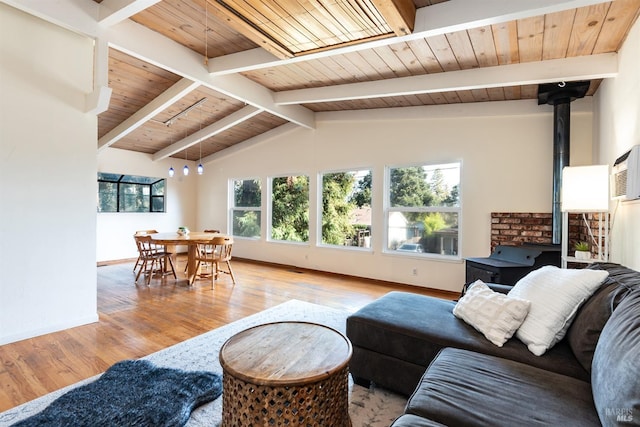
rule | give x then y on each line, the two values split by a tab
508	264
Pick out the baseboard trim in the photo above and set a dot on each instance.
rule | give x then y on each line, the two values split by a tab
402	286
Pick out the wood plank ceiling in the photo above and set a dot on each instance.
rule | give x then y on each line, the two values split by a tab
290	48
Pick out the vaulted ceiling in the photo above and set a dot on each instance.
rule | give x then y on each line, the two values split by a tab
191	78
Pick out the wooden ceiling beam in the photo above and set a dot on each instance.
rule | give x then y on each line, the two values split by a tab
220	126
567	69
159	104
225	13
439	19
400	15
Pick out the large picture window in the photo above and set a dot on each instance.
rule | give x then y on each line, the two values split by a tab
346	208
130	193
423	209
246	209
290	208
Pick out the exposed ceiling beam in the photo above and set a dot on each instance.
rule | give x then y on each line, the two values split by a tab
213	129
113	11
160	103
232	18
150	46
251	142
77	16
459	15
441	18
399	14
570	69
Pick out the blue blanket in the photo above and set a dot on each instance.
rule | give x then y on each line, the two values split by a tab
132	393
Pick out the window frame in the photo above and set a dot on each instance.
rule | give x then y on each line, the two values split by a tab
388	209
233	208
320	213
128	179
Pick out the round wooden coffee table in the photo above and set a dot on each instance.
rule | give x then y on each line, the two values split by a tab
286	373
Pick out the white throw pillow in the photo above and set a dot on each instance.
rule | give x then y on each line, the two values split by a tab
494	314
555	295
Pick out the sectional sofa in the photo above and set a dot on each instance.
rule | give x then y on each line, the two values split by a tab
456	376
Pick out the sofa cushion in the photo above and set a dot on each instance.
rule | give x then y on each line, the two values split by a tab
585	329
614	372
555	295
409	420
462	388
495	315
412	327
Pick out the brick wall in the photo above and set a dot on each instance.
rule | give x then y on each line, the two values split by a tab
579	232
515	228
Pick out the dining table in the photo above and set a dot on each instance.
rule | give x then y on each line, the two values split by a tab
190	239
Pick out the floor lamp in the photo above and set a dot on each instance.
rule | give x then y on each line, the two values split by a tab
585	189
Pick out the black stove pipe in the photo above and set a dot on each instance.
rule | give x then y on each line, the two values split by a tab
561	154
560	95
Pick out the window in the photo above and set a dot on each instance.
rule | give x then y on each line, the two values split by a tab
423	209
130	193
290	208
346	208
245	212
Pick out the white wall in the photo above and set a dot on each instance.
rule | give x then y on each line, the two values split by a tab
47	178
506	154
617	129
115	230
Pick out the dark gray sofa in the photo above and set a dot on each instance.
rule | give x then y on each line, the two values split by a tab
414	345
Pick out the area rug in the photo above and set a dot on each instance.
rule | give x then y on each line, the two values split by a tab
373	407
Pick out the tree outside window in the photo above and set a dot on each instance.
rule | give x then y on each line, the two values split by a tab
423	209
130	193
290	208
346	208
246	209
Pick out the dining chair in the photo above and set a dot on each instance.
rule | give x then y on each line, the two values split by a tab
141	233
152	259
214	252
210	230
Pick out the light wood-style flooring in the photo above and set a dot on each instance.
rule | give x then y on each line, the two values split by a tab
137	320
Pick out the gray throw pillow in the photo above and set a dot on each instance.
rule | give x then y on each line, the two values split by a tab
614	372
585	330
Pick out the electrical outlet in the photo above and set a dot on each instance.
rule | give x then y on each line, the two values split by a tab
414	271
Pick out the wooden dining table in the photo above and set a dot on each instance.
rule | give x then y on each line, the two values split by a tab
190	239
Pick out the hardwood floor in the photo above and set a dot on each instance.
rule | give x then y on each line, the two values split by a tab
136	320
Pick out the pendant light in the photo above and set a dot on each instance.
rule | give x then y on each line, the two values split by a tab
172	171
200	167
185	169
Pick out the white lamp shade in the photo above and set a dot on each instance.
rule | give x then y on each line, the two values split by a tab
585	188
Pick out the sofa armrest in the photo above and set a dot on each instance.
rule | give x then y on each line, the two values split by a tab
497	287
